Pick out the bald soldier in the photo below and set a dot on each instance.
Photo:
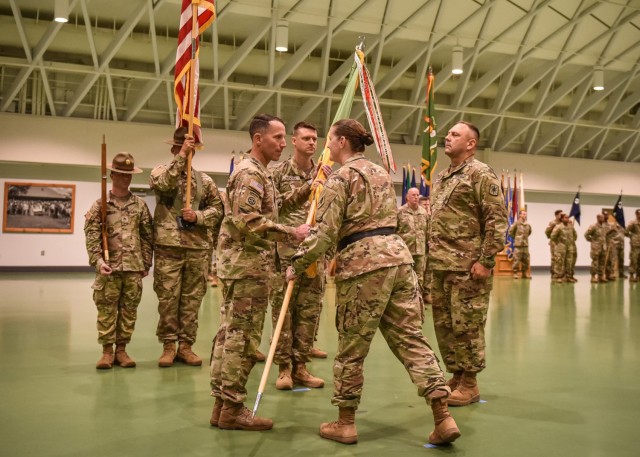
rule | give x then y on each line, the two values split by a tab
468	223
412	228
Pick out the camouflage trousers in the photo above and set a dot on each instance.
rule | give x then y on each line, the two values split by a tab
426	278
521	259
460	306
387	299
615	259
558	262
634	260
598	257
235	345
117	297
302	318
419	262
180	282
570	262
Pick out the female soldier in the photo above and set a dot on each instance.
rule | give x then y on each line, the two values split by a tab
375	283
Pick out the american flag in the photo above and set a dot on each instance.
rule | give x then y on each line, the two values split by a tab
185	55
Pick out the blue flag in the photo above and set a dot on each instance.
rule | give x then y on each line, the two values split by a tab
575	208
413	178
618	212
404	185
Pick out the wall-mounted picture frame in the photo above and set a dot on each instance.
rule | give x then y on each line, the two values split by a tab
31	207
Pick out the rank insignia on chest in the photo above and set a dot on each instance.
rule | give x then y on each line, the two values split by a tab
494	190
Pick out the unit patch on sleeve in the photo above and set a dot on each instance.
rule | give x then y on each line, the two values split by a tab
494	190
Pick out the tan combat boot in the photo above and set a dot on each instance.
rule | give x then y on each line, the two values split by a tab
594	279
344	429
235	416
318	353
603	279
106	361
187	356
122	358
516	275
454	381
302	376
168	354
467	391
446	430
260	357
633	278
215	414
284	381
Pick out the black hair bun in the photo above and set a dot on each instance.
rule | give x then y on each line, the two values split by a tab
366	139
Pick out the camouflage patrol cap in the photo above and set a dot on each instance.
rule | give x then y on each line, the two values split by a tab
123	162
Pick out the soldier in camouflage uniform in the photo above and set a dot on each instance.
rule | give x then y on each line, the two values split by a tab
596	234
117	288
561	236
376	286
633	232
183	233
616	253
412	228
468	223
555	221
303	315
520	232
246	266
572	253
426	279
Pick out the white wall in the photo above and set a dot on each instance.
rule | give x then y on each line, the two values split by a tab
550	183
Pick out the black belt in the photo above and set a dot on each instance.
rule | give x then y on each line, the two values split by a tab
347	240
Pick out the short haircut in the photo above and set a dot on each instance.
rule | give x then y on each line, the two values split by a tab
304	125
558	211
473	128
260	123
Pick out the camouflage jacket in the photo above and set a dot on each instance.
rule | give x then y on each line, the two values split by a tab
549	230
287	177
246	246
129	235
596	234
563	235
412	228
168	184
468	218
633	232
618	236
520	233
356	198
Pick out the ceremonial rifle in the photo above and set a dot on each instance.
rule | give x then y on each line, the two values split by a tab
103	203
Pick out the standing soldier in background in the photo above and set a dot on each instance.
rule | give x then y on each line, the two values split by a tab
246	267
376	287
633	232
468	226
426	279
596	234
520	232
555	221
295	345
412	228
561	237
616	256
117	288
611	253
183	233
572	253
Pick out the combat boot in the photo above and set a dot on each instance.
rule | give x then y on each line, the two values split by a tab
122	358
633	278
260	357
168	354
516	275
602	279
215	414
594	279
526	275
467	391
454	381
284	381
344	429
318	353
187	356
106	361
235	416
446	430
302	376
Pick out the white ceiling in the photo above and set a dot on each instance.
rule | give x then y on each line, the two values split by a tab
527	80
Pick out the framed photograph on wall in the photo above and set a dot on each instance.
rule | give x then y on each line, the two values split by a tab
38	207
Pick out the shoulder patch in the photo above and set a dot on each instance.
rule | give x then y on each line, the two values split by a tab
494	190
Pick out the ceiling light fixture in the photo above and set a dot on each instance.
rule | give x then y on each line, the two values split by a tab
61	11
456	60
282	36
598	78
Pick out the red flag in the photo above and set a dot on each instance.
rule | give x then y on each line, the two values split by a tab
514	206
186	56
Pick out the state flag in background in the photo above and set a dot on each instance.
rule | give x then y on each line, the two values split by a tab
575	208
618	212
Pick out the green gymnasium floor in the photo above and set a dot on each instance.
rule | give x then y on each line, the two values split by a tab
563	379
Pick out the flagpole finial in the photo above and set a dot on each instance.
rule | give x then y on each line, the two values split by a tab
360	46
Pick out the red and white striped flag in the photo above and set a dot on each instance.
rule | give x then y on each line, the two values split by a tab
186	56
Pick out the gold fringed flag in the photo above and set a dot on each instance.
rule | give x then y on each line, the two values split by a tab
186	76
372	108
429	141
